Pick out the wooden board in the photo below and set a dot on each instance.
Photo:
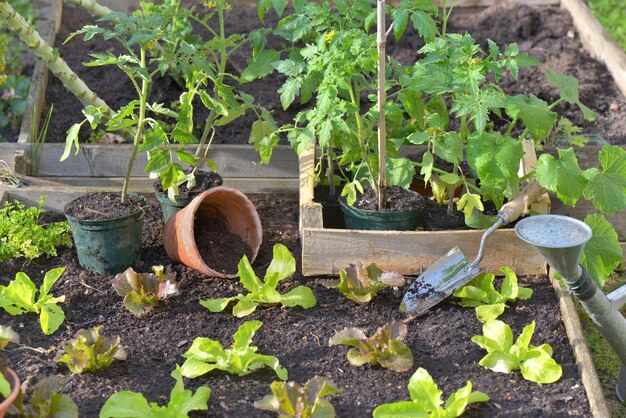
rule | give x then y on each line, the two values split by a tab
326	251
597	41
49	14
584	359
94	160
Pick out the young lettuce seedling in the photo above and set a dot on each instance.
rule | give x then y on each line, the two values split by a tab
89	351
20	297
360	284
7	335
535	363
489	303
45	401
206	355
289	399
426	400
127	404
283	265
142	291
384	347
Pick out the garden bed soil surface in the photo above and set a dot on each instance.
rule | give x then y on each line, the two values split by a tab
546	32
440	340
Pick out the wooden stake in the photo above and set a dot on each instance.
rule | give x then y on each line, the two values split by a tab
382	98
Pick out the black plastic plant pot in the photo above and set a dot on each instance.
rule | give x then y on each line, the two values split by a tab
108	246
170	208
380	221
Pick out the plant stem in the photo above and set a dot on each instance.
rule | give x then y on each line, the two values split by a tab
92	7
59	68
331	170
143	98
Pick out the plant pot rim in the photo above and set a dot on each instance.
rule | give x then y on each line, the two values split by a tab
100	221
14	381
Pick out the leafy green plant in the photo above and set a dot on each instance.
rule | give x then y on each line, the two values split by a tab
20	296
612	15
7	335
13	98
360	283
127	404
426	400
206	355
337	67
282	266
481	294
21	235
289	399
46	401
89	351
504	356
385	347
142	291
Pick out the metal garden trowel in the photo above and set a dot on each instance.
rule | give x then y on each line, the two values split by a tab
454	270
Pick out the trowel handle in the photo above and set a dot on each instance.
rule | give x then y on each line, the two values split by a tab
516	207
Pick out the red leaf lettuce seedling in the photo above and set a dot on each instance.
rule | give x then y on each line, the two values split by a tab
142	291
283	265
45	401
360	284
127	404
7	335
489	303
384	347
20	297
535	363
206	355
89	351
426	400
289	399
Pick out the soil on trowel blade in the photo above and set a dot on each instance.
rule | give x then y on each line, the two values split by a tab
101	206
220	249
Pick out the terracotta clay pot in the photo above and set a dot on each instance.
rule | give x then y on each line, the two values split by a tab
229	204
14	381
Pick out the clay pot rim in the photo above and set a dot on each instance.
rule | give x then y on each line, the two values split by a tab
14	381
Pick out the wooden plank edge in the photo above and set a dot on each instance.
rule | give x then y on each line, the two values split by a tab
487	3
582	354
597	41
39	81
4	197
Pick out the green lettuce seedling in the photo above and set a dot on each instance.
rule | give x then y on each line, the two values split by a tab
289	399
20	297
142	291
127	404
206	355
7	335
89	351
45	401
426	400
489	303
384	347
535	363
283	265
21	235
360	284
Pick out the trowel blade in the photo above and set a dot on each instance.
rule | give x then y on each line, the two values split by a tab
439	281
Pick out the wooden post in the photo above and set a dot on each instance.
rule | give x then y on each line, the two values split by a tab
382	98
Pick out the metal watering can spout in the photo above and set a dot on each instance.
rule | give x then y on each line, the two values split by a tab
561	240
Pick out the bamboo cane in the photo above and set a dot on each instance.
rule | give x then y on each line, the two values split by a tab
382	97
92	7
59	68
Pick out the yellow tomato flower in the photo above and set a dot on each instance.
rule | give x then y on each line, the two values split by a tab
329	36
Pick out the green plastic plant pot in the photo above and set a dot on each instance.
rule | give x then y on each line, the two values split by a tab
14	381
108	246
380	221
170	208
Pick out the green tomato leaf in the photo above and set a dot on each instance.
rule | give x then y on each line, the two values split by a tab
260	65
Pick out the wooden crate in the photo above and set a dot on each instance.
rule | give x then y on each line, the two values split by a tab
327	251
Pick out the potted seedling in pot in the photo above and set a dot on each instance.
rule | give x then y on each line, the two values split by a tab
339	67
9	382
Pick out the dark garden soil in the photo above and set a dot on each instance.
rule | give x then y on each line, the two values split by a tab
440	340
100	206
397	199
